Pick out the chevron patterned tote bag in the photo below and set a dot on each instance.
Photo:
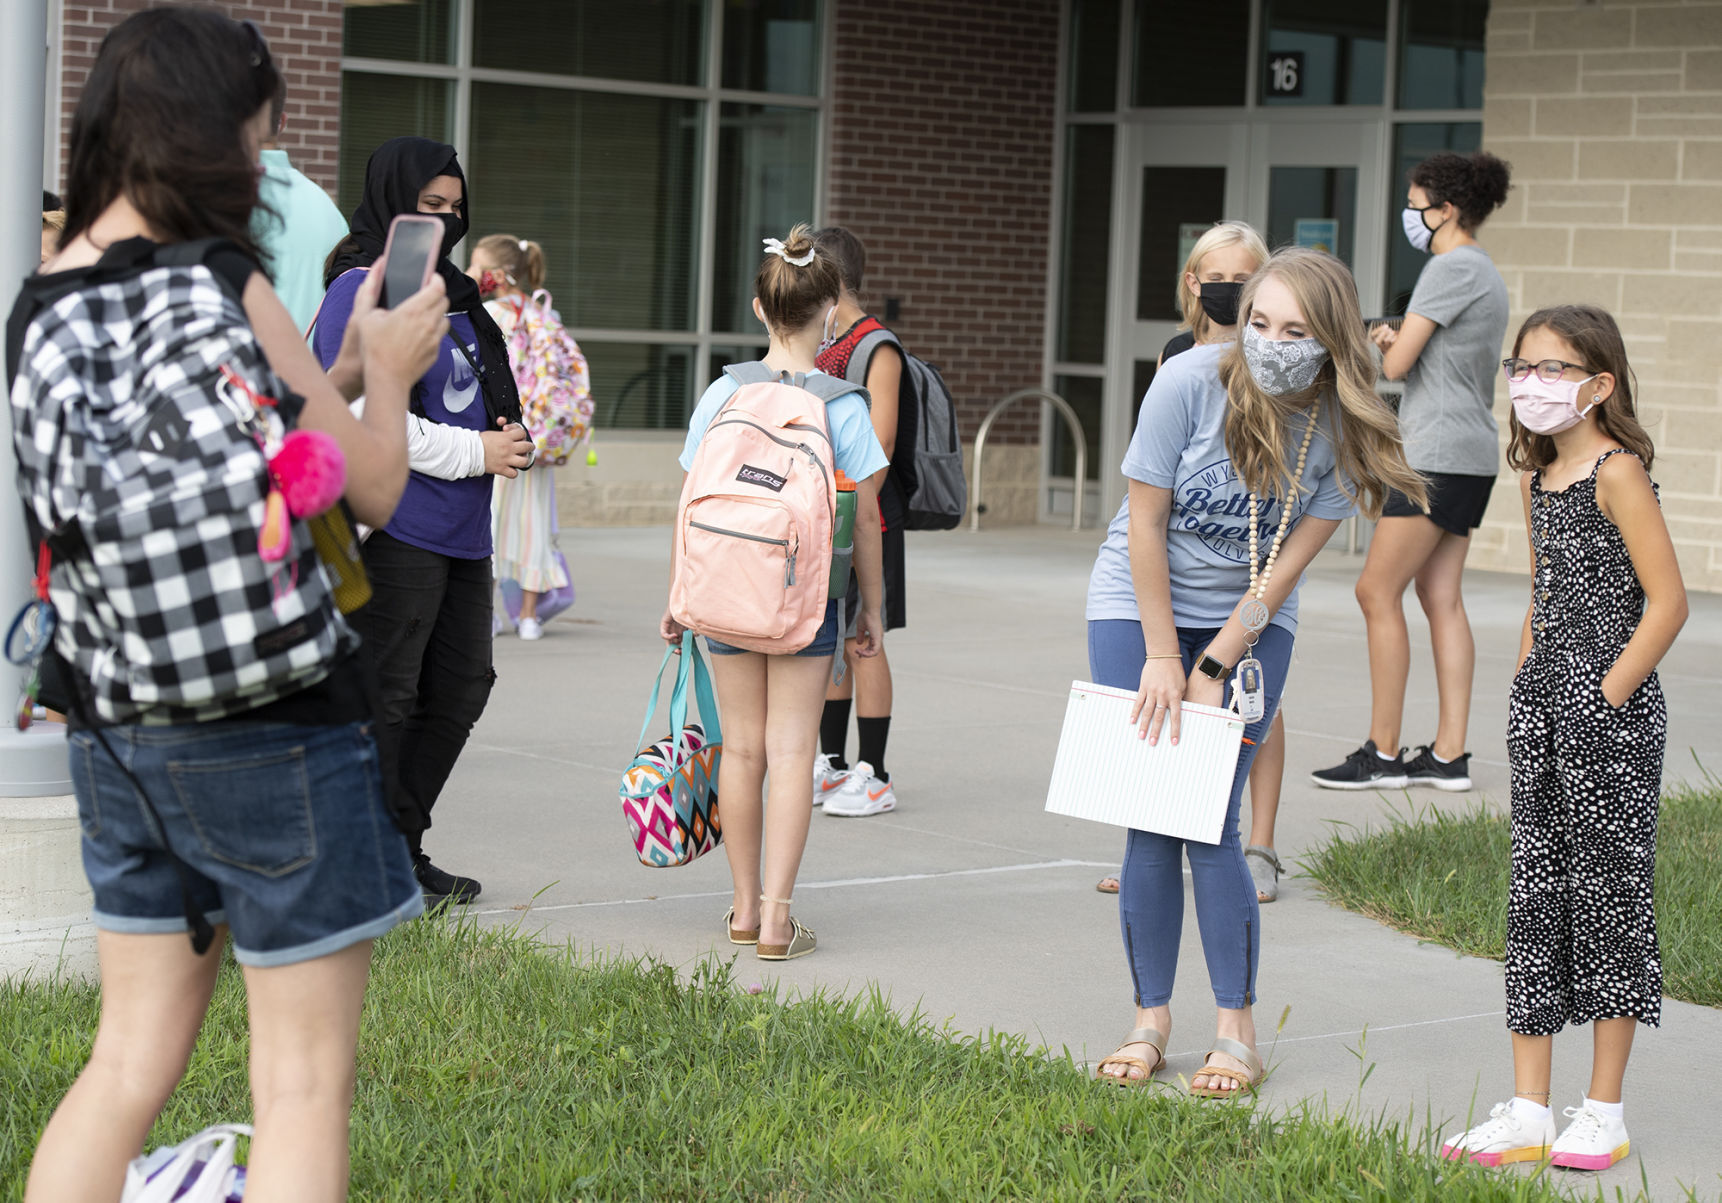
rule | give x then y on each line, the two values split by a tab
669	791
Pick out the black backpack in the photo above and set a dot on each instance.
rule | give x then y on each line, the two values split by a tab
928	463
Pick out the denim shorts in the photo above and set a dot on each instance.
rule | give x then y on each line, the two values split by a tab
282	827
824	643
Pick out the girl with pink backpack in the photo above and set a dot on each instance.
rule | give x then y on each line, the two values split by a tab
750	558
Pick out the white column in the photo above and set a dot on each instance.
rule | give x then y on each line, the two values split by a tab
32	763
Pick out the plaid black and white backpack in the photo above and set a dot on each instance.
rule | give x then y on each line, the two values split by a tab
140	398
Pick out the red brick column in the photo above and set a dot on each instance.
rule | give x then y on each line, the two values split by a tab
304	36
941	161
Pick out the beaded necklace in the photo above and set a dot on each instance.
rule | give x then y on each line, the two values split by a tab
1255	612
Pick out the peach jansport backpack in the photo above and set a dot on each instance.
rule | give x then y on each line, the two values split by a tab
753	530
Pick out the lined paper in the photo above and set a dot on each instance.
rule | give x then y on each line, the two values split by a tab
1104	772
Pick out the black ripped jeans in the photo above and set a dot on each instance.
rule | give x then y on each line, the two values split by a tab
428	631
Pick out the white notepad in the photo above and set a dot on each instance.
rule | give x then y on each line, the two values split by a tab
1104	772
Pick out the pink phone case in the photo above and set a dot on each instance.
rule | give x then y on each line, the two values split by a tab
413	219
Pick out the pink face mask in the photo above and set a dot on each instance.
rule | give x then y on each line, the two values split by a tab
1548	408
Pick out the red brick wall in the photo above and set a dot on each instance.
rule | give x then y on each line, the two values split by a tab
941	160
304	37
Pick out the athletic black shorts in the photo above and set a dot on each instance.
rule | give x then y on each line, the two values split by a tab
896	610
1456	503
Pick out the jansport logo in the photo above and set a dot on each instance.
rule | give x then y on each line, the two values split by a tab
750	475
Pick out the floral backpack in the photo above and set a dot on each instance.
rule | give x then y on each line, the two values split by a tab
555	387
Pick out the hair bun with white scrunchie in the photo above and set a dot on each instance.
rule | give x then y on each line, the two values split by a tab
775	246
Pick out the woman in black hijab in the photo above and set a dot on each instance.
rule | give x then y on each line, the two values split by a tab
428	622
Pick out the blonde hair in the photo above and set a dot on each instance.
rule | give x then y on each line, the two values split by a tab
520	260
1220	235
1259	425
791	295
54	219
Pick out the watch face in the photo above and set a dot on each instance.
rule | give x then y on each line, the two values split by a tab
1211	668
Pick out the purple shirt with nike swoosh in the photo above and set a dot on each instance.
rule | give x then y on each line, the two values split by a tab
449	517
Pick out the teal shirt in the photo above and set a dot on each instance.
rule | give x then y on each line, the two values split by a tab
297	237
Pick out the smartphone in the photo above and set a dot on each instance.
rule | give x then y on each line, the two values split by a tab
409	256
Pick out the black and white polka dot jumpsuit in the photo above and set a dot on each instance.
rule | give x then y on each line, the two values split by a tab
1581	926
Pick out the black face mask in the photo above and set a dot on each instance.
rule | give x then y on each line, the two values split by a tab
1220	301
454	229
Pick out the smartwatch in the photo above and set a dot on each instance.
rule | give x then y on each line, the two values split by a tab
1211	668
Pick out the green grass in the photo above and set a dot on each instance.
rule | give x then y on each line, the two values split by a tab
492	1068
1444	878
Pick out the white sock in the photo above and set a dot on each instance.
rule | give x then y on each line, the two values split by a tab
1527	1112
1607	1110
1384	755
1438	758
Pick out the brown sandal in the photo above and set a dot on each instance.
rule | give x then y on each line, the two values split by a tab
736	934
1149	1036
801	939
1246	1083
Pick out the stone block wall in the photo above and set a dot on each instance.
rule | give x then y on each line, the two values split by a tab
1611	114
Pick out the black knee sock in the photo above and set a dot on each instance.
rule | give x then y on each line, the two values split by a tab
834	730
874	732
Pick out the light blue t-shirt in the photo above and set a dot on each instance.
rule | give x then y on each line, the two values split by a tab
296	235
1180	444
857	448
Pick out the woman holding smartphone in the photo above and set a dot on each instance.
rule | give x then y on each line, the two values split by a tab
429	618
163	147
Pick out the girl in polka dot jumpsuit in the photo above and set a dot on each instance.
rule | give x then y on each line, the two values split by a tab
1586	730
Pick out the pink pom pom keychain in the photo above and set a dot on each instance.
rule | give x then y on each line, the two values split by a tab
309	475
310	471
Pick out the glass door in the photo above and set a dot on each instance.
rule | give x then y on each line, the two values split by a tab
1174	184
1299	180
1314	183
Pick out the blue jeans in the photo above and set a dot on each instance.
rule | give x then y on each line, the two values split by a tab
1151	885
282	829
824	640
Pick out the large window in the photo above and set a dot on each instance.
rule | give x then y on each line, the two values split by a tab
647	146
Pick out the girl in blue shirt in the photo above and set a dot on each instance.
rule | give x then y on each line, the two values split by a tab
772	704
1245	459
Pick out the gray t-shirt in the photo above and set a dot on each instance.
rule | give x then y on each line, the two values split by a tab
1180	444
1444	418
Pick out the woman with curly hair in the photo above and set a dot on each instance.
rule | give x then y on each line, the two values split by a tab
1446	352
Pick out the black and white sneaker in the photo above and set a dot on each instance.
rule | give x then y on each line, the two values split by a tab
1364	769
1425	769
439	885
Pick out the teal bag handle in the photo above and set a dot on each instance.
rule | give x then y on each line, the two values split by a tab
692	664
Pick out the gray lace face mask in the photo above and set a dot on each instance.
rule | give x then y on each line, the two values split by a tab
1283	367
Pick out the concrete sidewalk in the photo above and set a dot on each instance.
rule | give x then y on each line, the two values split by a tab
973	905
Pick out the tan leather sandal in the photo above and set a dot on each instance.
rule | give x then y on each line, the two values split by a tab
736	934
801	940
1246	1083
1149	1036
